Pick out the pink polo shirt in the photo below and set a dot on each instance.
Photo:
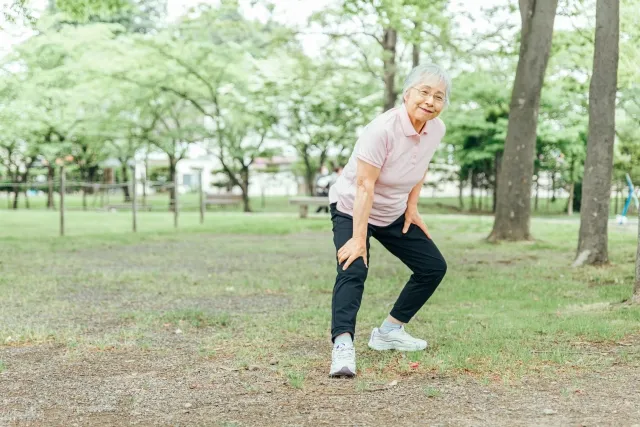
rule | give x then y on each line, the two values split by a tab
390	143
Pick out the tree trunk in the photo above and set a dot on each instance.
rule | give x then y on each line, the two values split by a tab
460	191
15	197
598	167
416	50
125	178
572	187
24	178
146	178
91	175
172	189
51	175
310	185
389	60
636	289
309	173
513	210
472	181
245	188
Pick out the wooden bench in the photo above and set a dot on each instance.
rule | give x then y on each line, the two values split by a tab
305	202
223	200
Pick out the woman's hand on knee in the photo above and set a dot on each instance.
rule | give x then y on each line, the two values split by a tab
411	216
351	251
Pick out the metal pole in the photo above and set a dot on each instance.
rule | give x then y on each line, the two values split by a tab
62	190
134	200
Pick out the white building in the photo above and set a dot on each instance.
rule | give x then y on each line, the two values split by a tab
269	177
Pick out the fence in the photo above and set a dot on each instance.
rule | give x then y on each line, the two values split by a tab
64	187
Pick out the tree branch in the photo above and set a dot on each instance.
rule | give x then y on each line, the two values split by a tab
184	65
343	35
164	88
366	60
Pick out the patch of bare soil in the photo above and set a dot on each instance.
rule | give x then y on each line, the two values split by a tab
52	386
193	254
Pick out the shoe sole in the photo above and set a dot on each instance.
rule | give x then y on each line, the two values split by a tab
392	346
343	372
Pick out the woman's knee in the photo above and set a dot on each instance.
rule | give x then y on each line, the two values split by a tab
434	267
441	266
356	271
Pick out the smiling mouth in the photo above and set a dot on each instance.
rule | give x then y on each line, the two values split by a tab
426	111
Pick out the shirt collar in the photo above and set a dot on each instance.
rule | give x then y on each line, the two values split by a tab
407	127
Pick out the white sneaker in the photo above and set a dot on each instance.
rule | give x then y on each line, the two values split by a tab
397	339
343	361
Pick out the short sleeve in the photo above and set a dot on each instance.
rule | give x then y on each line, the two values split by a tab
372	146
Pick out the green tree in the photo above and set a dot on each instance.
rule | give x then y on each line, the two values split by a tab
224	68
321	111
377	31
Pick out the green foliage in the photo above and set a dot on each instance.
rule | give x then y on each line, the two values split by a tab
108	80
159	174
321	111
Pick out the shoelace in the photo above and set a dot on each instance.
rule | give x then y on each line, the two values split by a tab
404	333
343	353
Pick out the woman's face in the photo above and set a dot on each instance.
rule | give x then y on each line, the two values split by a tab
425	101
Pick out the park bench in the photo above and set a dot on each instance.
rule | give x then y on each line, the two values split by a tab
223	200
305	202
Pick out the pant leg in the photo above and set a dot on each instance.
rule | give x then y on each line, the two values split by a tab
349	284
422	256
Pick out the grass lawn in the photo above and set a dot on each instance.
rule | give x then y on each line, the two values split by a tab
164	325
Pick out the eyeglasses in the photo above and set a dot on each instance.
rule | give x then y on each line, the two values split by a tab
437	97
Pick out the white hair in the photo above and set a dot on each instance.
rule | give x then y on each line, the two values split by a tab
428	73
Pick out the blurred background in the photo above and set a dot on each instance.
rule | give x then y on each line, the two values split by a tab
262	99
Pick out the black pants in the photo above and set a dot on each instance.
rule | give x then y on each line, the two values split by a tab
414	249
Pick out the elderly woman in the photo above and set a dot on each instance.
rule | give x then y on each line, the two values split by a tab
377	196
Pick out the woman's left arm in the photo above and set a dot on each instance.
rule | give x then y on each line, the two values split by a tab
411	216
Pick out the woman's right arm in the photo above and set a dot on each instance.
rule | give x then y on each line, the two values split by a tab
356	247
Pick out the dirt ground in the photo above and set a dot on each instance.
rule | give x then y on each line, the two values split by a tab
51	386
171	383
